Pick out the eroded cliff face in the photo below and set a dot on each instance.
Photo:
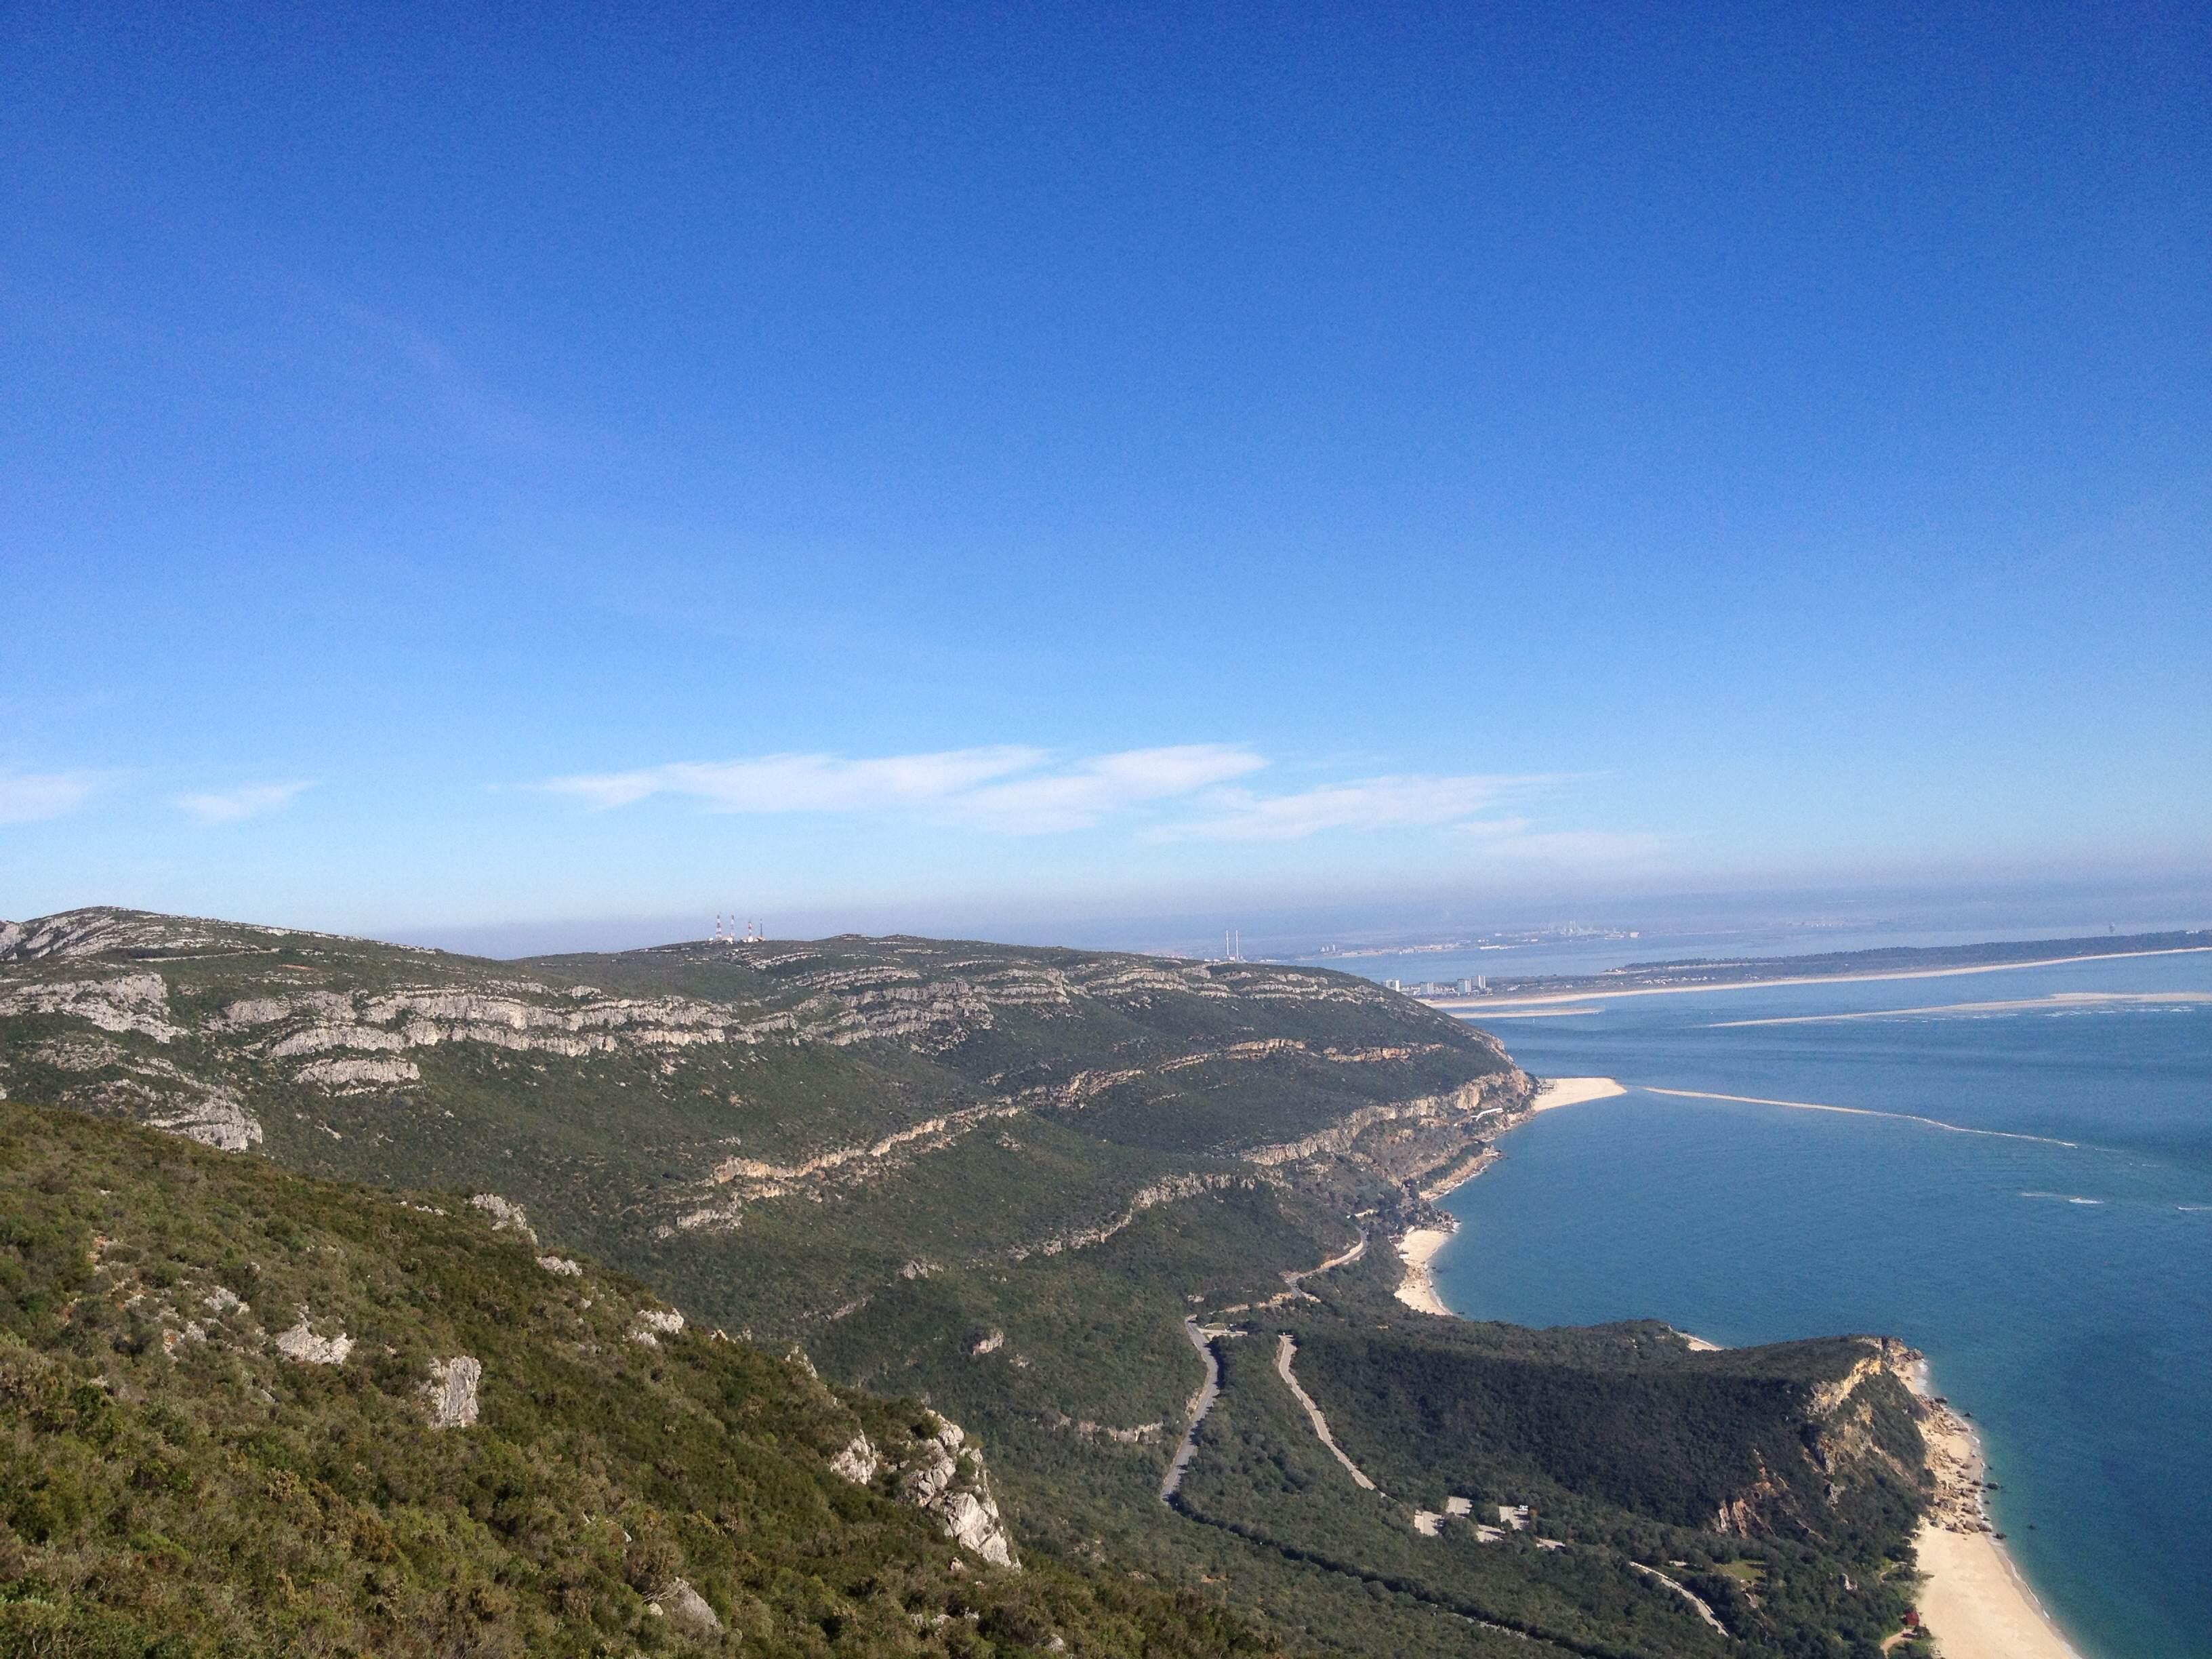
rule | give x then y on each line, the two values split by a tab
1409	1142
1842	1448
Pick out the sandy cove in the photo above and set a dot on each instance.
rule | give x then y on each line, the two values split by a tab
1417	1290
1974	1600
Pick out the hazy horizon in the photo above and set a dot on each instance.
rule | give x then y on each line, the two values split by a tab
1764	923
983	471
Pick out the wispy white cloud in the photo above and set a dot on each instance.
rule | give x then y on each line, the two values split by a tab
1011	788
806	783
1407	801
27	797
1177	792
1079	796
230	805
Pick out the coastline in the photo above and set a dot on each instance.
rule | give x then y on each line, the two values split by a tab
1974	1599
1473	1005
1419	1246
1417	1290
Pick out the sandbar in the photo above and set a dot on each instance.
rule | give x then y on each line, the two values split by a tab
2057	1002
1554	1093
1475	1004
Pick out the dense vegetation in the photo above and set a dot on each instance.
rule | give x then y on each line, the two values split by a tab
1781	1485
172	1483
988	1181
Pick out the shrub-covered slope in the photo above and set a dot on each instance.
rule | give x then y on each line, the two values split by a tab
245	1412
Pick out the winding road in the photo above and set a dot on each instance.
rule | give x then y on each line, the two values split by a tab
1286	1350
1201	1404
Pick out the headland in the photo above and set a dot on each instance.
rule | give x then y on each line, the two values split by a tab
1974	1599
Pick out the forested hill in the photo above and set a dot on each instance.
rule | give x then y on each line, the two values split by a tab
994	1179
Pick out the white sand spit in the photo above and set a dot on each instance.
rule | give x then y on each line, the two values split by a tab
1558	1091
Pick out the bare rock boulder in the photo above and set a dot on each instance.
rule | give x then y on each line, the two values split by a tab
686	1610
451	1392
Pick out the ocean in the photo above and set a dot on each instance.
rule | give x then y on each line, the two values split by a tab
2056	1266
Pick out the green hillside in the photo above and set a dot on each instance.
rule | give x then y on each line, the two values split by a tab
996	1181
219	1394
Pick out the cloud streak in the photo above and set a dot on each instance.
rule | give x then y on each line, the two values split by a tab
1011	788
28	797
231	806
1179	793
1405	800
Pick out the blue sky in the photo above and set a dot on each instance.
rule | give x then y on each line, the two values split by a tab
474	464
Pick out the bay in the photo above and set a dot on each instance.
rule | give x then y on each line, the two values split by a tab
2036	1215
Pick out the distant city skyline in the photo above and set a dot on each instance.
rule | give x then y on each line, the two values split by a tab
467	471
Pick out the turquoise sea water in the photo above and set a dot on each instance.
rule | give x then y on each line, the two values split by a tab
2062	1292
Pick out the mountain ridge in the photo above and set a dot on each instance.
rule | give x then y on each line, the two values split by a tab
998	1180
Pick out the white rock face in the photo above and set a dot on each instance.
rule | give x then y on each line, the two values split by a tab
857	1462
504	1213
975	1522
685	1609
452	1391
302	1344
561	1267
946	1478
991	1344
217	1119
130	1002
651	1324
348	1075
320	1039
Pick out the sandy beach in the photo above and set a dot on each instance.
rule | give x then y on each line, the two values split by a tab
1557	1091
1974	1603
1475	1004
1418	1291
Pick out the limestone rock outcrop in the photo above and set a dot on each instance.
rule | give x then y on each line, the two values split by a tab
651	1324
857	1463
946	1479
505	1214
301	1345
451	1392
940	1474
